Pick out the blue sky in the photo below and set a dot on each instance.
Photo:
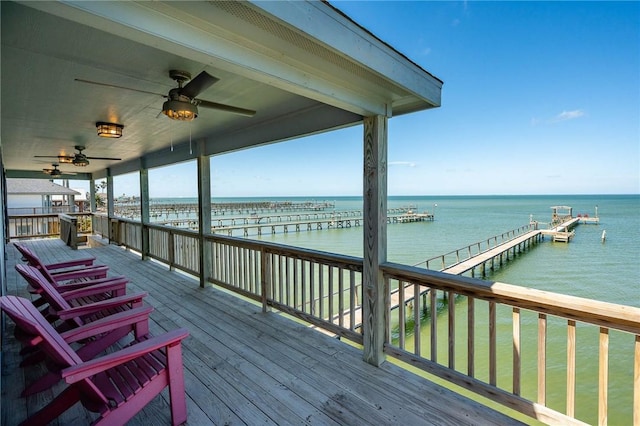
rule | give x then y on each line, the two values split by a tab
538	98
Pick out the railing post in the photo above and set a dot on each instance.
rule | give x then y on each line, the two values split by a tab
374	319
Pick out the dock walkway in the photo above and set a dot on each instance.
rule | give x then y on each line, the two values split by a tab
489	255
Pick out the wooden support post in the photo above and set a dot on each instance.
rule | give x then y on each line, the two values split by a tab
375	238
144	209
204	214
110	208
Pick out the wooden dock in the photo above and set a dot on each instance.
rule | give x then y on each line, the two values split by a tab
493	256
319	223
245	366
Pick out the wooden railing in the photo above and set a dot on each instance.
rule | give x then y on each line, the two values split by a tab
504	342
454	257
523	330
321	288
44	225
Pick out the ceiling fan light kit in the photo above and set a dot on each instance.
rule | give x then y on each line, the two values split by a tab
109	130
179	110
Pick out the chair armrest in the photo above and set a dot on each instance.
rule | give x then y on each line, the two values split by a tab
87	261
63	288
115	302
117	286
97	271
87	369
107	324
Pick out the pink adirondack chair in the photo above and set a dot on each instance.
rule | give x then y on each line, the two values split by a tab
69	310
83	292
117	385
67	314
27	252
64	271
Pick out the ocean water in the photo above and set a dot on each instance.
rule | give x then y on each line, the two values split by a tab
586	267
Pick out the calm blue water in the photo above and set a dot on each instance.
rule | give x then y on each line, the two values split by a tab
585	267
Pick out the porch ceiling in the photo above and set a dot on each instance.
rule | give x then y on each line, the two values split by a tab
303	66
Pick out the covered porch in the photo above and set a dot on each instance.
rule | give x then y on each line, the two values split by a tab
303	68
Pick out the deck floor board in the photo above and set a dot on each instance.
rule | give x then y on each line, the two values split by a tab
243	366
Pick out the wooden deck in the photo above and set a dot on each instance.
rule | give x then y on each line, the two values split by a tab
243	366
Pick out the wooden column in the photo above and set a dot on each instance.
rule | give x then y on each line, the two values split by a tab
92	196
110	204
204	215
375	238
144	209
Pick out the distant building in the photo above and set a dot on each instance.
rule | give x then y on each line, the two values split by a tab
40	196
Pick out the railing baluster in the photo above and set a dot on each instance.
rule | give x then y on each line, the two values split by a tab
303	286
542	359
452	329
321	290
571	368
492	344
297	294
331	293
401	315
636	382
471	336
433	297
281	288
416	319
603	376
353	299
341	297
312	293
517	359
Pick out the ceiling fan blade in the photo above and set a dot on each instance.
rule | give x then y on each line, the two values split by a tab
114	86
200	83
103	158
227	108
68	157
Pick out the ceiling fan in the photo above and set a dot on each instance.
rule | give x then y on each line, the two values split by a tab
55	172
182	103
79	159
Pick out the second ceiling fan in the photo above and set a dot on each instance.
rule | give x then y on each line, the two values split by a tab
182	103
78	159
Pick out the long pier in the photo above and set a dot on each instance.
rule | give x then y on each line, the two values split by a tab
295	222
131	208
319	223
498	250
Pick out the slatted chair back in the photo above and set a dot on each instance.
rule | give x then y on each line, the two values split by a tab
87	270
37	281
116	386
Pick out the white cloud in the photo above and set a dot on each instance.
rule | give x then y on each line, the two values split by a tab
402	163
569	115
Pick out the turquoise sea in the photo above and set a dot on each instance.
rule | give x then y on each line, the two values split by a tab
586	267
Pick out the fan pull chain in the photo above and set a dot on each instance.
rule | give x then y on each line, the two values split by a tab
171	137
190	150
